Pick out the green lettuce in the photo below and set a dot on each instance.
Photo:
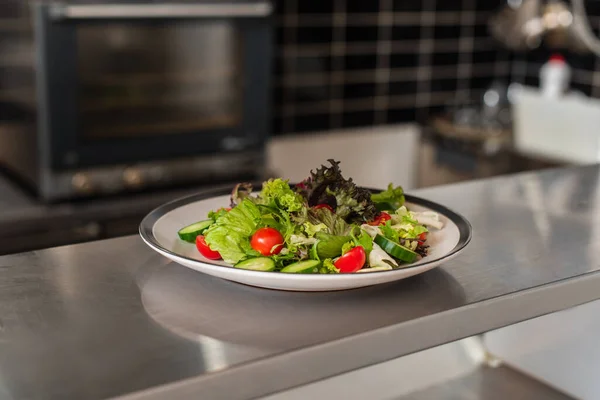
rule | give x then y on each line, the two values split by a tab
327	267
406	225
389	232
364	240
335	225
311	229
277	193
390	199
231	232
214	215
348	246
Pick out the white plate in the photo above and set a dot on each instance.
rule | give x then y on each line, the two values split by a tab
159	231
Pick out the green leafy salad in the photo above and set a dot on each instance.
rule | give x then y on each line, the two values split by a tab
323	225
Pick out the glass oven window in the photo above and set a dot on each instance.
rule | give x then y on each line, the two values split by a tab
164	78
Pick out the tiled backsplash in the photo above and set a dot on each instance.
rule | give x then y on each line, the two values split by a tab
346	63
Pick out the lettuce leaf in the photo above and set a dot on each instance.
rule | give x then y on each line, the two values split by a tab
231	232
348	246
311	229
379	258
335	225
407	224
390	199
277	193
328	267
240	192
364	240
327	186
390	233
214	215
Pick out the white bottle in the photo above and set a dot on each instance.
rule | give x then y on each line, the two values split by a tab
555	76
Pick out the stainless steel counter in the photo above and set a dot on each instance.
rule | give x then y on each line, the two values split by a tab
111	318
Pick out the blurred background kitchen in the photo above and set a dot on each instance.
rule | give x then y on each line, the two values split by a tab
109	109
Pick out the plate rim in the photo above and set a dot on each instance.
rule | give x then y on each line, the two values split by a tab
146	232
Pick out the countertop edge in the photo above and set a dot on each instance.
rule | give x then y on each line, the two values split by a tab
285	371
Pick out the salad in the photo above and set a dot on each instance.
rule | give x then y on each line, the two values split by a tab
324	225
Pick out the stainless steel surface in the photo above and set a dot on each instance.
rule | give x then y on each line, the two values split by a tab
119	11
109	318
490	384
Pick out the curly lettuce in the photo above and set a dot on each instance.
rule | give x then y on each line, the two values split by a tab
326	185
327	267
277	193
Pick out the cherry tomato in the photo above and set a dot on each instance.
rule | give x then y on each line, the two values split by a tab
327	206
205	250
267	241
224	208
352	261
422	237
381	219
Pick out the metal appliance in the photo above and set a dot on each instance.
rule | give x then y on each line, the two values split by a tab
107	98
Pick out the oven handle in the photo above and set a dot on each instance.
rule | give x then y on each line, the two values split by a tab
122	11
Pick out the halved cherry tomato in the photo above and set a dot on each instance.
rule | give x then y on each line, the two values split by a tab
352	261
422	237
381	219
205	250
267	241
327	206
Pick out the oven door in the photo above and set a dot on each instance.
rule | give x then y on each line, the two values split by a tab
140	82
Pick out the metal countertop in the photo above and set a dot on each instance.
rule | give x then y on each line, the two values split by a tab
113	318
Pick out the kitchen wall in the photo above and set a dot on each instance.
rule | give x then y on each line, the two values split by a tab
347	63
585	74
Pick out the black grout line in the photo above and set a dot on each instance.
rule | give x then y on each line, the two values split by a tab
290	36
390	17
424	45
338	52
384	49
466	46
396	75
366	104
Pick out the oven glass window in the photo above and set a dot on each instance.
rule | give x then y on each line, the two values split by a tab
165	78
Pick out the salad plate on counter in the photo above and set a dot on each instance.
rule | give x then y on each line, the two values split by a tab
324	233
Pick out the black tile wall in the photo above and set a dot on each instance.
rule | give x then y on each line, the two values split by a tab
347	63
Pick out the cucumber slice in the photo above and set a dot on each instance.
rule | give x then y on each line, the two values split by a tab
190	232
302	267
395	250
257	264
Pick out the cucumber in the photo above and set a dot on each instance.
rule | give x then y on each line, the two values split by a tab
395	250
302	267
257	264
190	232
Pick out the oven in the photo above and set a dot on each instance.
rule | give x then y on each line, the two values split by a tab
140	95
